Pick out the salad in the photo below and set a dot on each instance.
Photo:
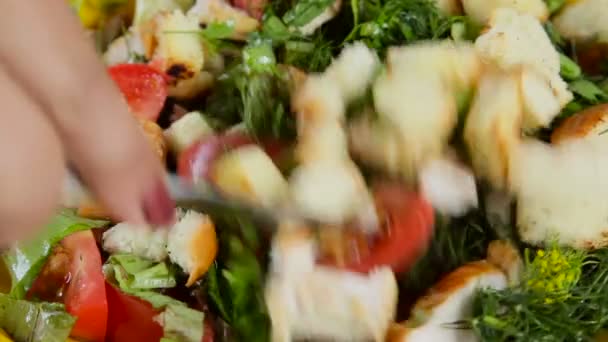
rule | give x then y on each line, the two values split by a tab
452	150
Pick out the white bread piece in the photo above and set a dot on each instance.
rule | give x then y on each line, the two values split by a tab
140	240
449	186
540	103
562	192
421	106
353	70
451	301
187	130
192	244
309	301
248	173
430	332
591	123
124	47
220	11
180	50
328	14
514	39
458	63
376	143
583	20
331	191
192	87
492	128
504	255
324	141
317	101
481	11
449	7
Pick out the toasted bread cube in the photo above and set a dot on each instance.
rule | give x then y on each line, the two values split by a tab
192	244
248	173
180	50
187	130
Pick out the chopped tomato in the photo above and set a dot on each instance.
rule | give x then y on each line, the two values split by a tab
196	161
208	335
144	88
255	8
130	318
408	219
73	275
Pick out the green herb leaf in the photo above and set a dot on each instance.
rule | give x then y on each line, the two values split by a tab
569	70
395	22
588	91
275	29
217	30
28	322
235	284
258	57
305	11
182	324
26	259
517	314
555	5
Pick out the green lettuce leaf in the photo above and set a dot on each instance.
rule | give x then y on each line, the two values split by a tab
25	260
134	273
31	322
182	324
138	277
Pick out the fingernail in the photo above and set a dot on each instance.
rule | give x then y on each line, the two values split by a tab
159	208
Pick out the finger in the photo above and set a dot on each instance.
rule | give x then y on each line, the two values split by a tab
32	164
99	136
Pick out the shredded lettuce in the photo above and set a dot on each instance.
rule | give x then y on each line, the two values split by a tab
134	273
25	260
182	324
139	277
25	321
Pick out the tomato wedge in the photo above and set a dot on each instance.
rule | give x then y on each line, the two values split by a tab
255	8
144	88
73	275
130	318
409	223
196	161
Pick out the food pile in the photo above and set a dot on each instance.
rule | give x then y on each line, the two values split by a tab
452	152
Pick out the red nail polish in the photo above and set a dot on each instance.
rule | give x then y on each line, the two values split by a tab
159	208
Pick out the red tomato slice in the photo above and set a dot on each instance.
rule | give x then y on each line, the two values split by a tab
209	334
144	88
130	318
73	275
196	161
254	8
409	218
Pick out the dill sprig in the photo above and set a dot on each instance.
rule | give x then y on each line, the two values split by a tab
523	313
396	22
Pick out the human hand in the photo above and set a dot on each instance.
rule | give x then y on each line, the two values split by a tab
60	107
